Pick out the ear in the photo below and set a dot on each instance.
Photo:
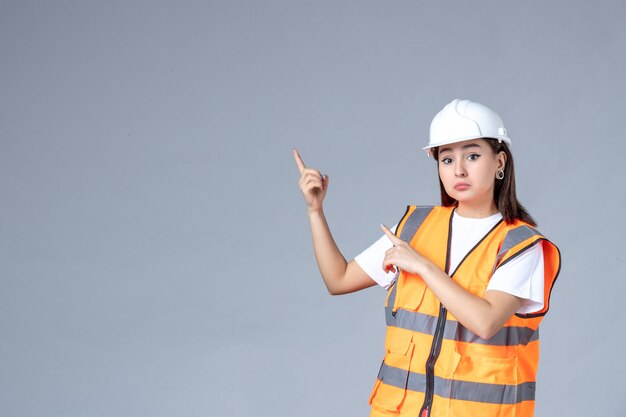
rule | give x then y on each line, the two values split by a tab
501	160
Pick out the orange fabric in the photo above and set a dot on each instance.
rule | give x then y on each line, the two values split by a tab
472	377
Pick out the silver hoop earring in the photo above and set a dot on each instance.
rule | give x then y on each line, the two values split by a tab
500	174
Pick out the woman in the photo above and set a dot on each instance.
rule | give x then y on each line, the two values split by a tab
468	281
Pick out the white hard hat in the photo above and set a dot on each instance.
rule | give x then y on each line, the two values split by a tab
463	120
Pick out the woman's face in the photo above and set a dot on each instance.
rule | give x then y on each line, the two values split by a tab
468	170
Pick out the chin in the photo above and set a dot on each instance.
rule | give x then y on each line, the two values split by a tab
459	197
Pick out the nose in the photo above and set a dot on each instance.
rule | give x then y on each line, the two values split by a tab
459	169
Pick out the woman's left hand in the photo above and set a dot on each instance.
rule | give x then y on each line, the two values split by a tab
402	255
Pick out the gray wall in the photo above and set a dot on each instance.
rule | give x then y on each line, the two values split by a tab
155	256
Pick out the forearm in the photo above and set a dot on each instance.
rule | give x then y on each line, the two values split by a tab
330	261
478	314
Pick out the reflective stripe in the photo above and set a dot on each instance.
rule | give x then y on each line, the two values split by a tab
423	323
515	237
391	300
414	221
506	336
459	390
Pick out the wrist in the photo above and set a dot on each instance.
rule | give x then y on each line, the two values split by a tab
315	213
425	268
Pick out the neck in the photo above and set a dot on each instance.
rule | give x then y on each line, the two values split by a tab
477	211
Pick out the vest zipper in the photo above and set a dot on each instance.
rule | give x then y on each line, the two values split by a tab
435	349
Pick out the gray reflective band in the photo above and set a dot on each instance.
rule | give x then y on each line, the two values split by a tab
515	237
459	390
424	323
506	336
391	300
414	221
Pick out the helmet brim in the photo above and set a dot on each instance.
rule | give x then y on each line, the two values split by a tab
448	142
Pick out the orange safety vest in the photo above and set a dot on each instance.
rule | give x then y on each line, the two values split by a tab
434	366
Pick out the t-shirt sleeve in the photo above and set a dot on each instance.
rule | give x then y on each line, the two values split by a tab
371	261
522	277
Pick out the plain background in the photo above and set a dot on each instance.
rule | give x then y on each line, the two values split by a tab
155	256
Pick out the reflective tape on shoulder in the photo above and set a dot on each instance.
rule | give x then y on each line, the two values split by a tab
515	237
459	390
414	221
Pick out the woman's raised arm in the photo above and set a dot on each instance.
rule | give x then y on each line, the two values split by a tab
340	277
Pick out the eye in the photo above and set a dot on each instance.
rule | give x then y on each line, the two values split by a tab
473	156
446	161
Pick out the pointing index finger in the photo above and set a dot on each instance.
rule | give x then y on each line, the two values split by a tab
299	160
394	239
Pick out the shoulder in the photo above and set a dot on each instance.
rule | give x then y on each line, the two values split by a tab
520	236
415	216
414	211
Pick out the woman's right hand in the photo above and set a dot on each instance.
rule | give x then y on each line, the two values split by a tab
312	184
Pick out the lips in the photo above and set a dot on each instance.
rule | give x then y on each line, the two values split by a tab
461	186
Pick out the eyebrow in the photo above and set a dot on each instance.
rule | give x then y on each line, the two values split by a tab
469	145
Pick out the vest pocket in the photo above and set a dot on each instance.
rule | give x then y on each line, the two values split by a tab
398	341
374	391
410	292
391	387
483	386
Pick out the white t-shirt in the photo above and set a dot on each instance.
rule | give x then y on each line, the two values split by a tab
522	276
